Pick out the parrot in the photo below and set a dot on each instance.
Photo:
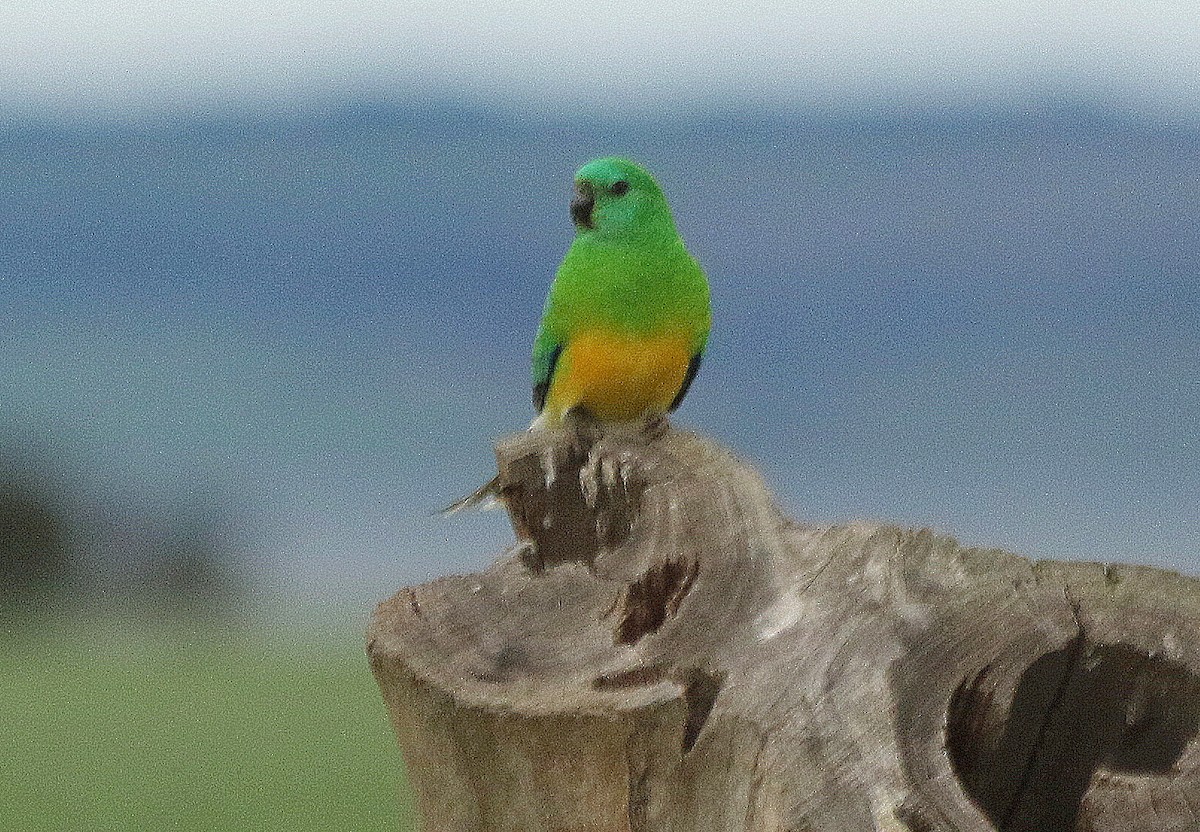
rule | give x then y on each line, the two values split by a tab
627	316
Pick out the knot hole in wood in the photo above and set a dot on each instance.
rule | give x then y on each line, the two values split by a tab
1078	714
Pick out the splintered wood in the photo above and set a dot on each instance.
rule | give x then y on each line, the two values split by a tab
663	650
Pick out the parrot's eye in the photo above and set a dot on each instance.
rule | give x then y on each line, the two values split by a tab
619	188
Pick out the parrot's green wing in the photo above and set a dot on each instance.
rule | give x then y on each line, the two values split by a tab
693	368
546	350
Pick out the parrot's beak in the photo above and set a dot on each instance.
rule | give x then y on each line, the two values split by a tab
582	204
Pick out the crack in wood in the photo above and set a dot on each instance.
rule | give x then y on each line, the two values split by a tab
638	811
756	780
699	695
653	598
1074	653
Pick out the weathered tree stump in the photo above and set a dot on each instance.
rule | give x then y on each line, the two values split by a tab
663	650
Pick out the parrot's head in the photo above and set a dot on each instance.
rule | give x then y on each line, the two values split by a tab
617	199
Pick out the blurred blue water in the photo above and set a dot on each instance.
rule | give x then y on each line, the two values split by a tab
315	325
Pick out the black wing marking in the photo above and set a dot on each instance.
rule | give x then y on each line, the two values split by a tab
542	388
693	368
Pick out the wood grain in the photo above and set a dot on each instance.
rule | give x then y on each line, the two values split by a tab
663	650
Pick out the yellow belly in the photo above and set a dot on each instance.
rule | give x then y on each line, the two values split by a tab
619	377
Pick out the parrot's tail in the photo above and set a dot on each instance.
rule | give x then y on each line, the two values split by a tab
485	497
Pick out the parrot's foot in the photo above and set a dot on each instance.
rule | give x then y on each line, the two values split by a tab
606	464
606	471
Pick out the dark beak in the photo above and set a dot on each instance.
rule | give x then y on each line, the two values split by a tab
582	204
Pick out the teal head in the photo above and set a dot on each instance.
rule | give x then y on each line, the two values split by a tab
616	199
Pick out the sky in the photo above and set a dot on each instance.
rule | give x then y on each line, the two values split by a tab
116	56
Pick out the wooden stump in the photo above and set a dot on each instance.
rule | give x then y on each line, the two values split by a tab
663	650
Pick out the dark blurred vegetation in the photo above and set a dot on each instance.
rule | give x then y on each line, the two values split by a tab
35	551
64	549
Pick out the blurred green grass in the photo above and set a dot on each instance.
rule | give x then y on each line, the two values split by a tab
192	728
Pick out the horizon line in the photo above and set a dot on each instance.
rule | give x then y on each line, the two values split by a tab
1053	109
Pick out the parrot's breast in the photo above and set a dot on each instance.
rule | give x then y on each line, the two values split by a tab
619	376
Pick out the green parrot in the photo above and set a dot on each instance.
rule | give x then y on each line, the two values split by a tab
627	316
